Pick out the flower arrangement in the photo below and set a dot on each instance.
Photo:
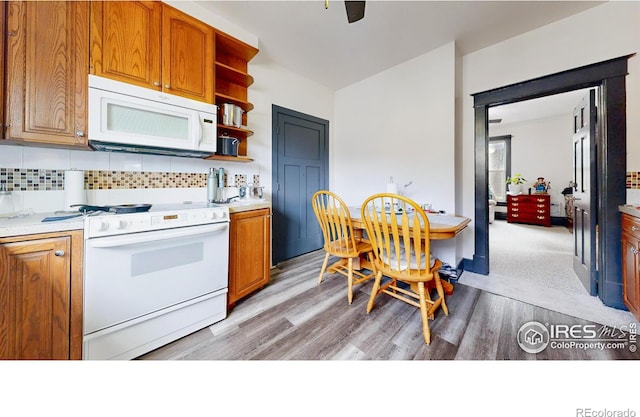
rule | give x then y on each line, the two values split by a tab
517	179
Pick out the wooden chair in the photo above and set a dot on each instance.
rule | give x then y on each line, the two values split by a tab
400	241
335	221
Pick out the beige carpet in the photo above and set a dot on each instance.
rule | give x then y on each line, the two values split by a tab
533	264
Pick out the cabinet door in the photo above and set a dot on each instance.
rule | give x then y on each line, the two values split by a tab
125	41
47	60
631	272
187	56
35	304
250	253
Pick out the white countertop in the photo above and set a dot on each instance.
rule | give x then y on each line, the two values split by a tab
630	210
32	224
247	205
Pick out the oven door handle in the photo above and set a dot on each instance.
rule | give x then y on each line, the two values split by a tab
115	241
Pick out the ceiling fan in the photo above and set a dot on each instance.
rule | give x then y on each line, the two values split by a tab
355	9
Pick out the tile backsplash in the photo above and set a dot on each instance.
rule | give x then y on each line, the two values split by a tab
20	179
36	177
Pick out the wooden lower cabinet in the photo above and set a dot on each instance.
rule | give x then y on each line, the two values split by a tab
41	296
631	263
249	253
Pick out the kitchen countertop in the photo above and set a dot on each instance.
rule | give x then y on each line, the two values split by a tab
630	210
247	205
32	224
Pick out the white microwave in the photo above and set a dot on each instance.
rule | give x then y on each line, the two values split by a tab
129	118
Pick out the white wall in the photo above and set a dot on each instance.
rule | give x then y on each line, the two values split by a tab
400	123
542	148
603	32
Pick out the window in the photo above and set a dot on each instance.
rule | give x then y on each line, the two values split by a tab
499	166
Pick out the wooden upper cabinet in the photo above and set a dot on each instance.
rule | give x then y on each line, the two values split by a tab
46	72
187	56
153	45
125	41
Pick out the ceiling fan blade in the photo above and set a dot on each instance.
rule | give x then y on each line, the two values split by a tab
355	10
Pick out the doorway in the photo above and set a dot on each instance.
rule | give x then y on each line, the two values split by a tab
611	160
533	139
300	168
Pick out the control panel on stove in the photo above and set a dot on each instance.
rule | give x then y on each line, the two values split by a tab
118	224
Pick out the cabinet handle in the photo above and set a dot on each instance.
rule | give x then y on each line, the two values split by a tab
540	217
79	133
634	229
156	83
167	86
514	215
634	251
59	253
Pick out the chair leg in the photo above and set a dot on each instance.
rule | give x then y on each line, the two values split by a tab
423	313
324	268
350	280
374	290
440	291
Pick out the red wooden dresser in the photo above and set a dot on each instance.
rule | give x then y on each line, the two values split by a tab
529	208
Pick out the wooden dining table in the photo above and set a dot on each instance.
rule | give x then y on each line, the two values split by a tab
441	226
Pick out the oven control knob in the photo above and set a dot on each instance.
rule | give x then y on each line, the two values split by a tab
120	224
102	225
213	215
223	214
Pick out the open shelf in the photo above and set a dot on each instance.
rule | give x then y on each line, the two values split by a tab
238	158
233	129
223	98
233	75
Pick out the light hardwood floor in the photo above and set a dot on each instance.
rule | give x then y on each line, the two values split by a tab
294	318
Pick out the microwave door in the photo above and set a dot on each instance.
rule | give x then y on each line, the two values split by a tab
130	120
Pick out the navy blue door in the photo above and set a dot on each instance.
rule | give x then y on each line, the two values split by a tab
300	168
585	193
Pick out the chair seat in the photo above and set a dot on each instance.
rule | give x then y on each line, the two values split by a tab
339	241
338	248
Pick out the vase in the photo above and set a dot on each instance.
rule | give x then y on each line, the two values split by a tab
515	189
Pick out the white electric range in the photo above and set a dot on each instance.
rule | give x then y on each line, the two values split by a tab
153	277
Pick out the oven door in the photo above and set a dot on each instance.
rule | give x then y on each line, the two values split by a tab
129	276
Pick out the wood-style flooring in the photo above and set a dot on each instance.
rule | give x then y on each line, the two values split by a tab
294	318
